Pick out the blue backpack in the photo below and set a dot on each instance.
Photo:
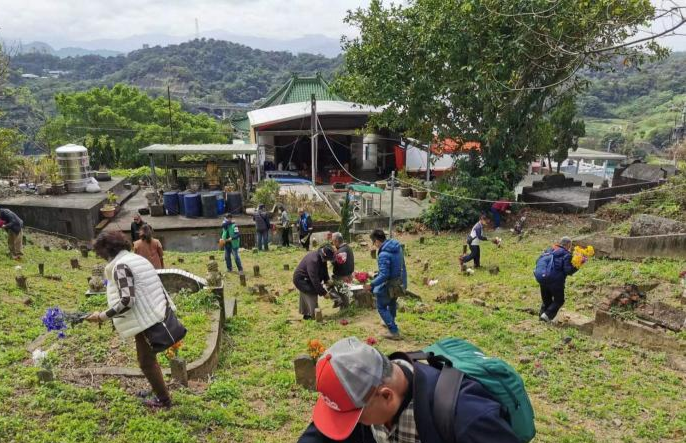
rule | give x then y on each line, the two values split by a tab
545	268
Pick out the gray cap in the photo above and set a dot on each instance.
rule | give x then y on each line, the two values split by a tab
565	241
346	372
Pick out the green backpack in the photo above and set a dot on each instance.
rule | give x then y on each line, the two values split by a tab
496	376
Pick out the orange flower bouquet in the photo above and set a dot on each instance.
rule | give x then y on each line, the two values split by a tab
315	349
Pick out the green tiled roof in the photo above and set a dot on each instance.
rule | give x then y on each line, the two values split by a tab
295	90
300	89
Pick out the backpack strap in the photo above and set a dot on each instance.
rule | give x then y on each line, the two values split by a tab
445	402
446	392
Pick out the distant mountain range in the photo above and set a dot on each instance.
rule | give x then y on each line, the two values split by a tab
310	44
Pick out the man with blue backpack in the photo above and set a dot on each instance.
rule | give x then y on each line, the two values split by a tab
552	269
458	396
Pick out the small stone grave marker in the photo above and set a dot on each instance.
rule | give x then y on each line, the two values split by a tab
305	375
178	370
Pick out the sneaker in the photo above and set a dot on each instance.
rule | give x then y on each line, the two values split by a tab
544	318
384	325
393	336
156	403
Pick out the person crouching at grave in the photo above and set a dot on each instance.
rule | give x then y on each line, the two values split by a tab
553	284
137	301
390	282
231	241
474	239
498	210
310	276
365	396
149	247
344	261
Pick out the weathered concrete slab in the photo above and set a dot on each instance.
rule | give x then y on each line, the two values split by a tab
630	331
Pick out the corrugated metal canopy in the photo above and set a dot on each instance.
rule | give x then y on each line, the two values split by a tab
365	188
218	149
589	154
291	111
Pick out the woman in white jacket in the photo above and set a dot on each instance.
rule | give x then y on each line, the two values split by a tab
136	301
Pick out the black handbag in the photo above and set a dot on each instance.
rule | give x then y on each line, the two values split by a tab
161	336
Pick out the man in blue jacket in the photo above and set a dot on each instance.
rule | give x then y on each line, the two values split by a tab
391	276
364	397
553	292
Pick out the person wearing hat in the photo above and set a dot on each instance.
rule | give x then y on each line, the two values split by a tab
309	277
553	291
14	227
365	397
262	224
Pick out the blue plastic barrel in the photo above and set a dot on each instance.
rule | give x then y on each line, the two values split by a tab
192	205
171	202
182	206
221	204
209	205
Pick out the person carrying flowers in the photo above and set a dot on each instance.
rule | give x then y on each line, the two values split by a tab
552	269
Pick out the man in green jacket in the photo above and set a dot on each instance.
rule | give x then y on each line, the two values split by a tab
232	241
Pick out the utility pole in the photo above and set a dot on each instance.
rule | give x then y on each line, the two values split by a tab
428	164
171	136
313	139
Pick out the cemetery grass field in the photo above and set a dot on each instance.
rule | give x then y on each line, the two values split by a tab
582	391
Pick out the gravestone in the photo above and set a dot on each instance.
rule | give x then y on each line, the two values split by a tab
178	370
84	251
41	268
305	375
75	263
286	267
21	282
241	277
318	315
256	270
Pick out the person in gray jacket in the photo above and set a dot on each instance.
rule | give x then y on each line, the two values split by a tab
262	224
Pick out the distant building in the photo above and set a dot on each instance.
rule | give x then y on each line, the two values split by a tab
29	76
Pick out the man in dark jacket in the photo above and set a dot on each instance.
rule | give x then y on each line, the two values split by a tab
262	224
309	277
13	225
364	397
344	261
553	292
305	228
136	225
392	272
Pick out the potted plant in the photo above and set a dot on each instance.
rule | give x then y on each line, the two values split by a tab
108	210
405	185
381	184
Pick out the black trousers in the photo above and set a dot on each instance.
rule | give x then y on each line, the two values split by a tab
286	236
474	254
553	297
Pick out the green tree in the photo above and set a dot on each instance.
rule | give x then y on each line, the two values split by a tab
565	130
10	145
484	70
116	122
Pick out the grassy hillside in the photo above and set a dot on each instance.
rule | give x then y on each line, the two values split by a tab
583	391
207	70
644	103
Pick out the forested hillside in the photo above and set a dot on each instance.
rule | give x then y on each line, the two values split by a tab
639	104
207	70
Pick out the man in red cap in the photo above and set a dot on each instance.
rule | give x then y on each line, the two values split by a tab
365	397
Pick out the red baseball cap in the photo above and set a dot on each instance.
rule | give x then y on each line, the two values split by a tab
345	374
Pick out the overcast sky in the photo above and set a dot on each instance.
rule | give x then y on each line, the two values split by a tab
96	19
84	20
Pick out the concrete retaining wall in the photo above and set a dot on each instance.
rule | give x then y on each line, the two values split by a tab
603	196
670	246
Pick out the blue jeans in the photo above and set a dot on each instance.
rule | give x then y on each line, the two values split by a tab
387	308
496	217
228	252
262	238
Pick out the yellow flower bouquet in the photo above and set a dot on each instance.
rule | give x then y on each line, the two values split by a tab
581	255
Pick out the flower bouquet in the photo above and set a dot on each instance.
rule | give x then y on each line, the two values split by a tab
315	349
497	241
581	255
56	320
361	277
173	351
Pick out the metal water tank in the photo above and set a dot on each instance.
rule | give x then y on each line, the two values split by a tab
74	166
